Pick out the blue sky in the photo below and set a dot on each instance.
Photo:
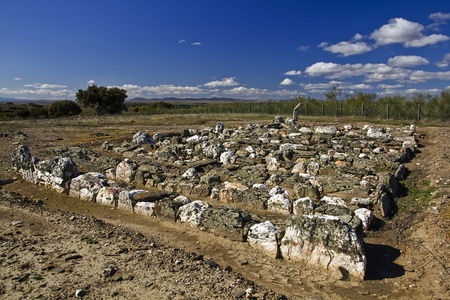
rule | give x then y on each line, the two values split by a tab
255	49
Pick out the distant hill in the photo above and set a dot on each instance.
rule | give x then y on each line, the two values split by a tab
184	99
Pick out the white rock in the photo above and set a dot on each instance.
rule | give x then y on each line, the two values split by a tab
190	173
87	186
143	138
182	199
366	216
261	187
264	237
108	196
194	139
333	201
228	158
279	190
126	199
279	203
192	213
145	209
326	129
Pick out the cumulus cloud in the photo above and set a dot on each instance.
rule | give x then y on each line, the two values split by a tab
17	78
407	61
401	31
371	72
287	81
348	48
229	81
90	82
390	86
398	30
427	40
41	92
197	44
181	41
293	73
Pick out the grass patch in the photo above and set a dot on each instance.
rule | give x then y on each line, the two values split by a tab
417	198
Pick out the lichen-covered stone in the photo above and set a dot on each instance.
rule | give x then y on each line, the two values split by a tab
192	213
265	237
126	170
303	206
87	186
324	241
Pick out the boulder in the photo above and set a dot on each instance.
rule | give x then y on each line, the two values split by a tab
214	151
126	170
87	186
303	206
326	242
331	130
227	219
108	196
377	133
192	213
228	158
219	127
190	173
23	163
127	201
142	138
279	203
145	209
54	173
365	215
265	237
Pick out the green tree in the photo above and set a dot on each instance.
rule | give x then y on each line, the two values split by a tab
64	108
103	99
334	94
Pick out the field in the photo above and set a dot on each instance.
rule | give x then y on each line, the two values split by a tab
62	244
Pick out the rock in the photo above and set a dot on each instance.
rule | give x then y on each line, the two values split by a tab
126	199
377	133
265	237
145	209
142	138
219	127
190	173
228	158
365	215
80	293
55	173
279	203
303	206
108	196
194	139
230	219
324	241
23	163
326	130
126	170
87	186
192	213
214	151
387	204
278	120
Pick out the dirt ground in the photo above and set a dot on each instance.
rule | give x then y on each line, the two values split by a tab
53	245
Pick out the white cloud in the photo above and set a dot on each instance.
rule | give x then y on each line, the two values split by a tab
41	93
197	44
371	72
427	40
401	31
445	62
439	19
348	48
303	48
167	89
45	86
323	87
287	81
17	78
390	86
398	30
293	73
229	81
181	41
407	61
90	82
323	45
357	37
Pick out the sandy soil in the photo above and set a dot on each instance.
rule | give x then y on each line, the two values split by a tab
53	245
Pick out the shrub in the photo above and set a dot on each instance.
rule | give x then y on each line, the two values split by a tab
64	108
